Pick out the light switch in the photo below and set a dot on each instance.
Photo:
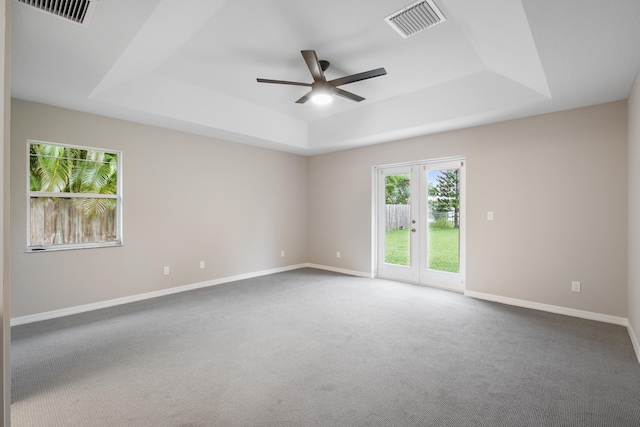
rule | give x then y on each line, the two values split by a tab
489	216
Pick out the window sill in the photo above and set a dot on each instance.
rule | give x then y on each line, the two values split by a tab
40	249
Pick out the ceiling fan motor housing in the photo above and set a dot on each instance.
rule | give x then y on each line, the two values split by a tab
324	64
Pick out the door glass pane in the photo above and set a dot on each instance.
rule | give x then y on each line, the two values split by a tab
443	240
398	216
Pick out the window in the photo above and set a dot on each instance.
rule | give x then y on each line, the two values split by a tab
74	197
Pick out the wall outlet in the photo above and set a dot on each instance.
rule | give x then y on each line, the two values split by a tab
282	254
489	216
337	254
166	270
575	286
201	265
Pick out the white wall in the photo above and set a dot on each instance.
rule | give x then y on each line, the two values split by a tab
634	212
187	198
557	184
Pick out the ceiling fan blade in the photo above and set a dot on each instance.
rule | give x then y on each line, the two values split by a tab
348	95
304	98
311	59
283	82
357	77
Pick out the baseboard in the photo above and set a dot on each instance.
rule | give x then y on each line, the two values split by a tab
622	321
341	270
634	341
16	321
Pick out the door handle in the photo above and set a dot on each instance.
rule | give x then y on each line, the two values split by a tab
413	230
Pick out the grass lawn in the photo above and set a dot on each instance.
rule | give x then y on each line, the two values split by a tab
443	248
397	247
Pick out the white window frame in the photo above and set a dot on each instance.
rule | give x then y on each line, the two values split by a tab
118	197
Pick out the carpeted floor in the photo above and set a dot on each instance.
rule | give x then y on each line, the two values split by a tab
314	348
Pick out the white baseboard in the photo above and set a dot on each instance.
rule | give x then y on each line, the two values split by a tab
623	321
634	341
133	298
341	270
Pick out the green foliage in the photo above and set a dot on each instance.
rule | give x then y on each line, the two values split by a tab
52	165
433	191
441	223
60	169
397	189
447	193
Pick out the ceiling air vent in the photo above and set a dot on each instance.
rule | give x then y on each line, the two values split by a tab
415	18
77	11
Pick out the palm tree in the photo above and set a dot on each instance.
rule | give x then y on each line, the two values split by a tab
96	174
60	169
51	167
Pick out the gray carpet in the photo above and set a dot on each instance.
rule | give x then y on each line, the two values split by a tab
314	348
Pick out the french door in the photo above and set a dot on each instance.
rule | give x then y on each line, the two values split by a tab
421	224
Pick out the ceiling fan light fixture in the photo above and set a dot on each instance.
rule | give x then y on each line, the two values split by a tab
322	90
322	96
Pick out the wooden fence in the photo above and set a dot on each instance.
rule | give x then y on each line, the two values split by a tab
398	216
57	221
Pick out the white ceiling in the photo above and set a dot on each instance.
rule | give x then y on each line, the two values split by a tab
191	65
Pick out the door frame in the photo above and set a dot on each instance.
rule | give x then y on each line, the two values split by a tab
450	281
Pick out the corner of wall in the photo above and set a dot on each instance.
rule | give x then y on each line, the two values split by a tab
633	225
634	341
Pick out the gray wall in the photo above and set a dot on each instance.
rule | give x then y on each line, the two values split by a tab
557	184
187	198
634	208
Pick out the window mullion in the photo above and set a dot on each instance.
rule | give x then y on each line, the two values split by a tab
72	195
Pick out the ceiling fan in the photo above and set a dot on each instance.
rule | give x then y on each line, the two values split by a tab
322	91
